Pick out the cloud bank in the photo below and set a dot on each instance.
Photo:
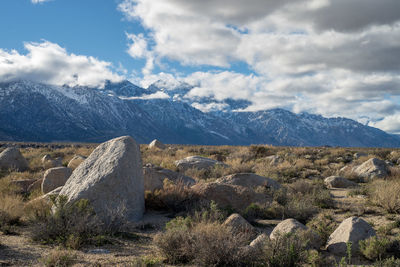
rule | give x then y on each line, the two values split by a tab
332	57
47	62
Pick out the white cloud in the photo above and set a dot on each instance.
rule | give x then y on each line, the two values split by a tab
40	1
332	57
50	63
156	95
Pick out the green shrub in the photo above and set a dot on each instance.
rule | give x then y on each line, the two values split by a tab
204	243
374	248
69	225
286	250
323	224
390	262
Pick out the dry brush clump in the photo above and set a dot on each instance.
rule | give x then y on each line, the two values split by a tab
385	193
205	243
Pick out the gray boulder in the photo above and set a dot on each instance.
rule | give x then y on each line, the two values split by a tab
287	226
55	177
352	230
290	226
238	224
372	168
75	161
228	196
249	180
155	144
12	159
154	177
339	182
49	162
359	155
111	178
196	162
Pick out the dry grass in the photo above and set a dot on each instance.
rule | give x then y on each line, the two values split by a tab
11	211
385	193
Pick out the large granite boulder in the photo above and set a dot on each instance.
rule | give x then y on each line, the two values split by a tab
196	162
111	178
155	144
76	161
55	177
339	182
154	177
250	180
228	196
372	168
12	159
352	230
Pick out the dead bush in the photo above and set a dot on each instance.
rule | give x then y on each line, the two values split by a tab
202	243
385	193
11	211
173	197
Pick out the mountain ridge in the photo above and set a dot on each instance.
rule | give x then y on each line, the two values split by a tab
31	111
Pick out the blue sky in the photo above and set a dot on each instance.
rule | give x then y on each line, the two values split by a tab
330	57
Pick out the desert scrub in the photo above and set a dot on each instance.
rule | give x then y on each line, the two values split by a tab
173	197
323	224
202	243
374	248
385	193
58	258
11	211
69	225
287	250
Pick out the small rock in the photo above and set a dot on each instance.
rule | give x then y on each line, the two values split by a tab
154	177
359	155
197	162
352	230
250	180
238	224
12	159
155	144
75	161
287	226
372	168
339	182
274	160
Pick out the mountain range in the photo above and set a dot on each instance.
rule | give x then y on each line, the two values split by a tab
31	111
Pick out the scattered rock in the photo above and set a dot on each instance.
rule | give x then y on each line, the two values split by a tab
292	226
372	168
55	177
49	162
274	160
154	177
353	230
359	155
259	241
287	226
155	144
197	162
12	159
249	180
111	178
238	224
227	195
339	182
75	161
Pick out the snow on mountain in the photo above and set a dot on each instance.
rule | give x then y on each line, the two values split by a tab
37	112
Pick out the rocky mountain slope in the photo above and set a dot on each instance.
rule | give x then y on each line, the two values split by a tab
38	112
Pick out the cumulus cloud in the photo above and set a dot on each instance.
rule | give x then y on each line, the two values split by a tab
332	57
50	63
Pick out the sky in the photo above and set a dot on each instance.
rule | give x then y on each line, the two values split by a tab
328	57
